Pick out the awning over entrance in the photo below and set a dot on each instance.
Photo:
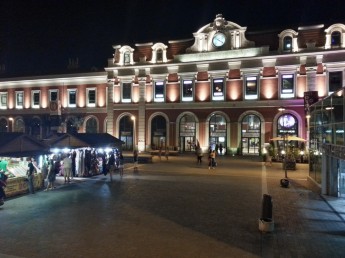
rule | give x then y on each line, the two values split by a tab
82	140
21	145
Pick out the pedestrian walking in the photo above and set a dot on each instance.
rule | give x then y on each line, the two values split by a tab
199	155
67	168
51	177
30	176
221	149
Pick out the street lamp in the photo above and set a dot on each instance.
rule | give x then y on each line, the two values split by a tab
134	132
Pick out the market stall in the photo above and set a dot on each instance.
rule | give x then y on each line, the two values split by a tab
16	149
87	150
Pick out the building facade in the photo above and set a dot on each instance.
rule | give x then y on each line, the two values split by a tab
224	86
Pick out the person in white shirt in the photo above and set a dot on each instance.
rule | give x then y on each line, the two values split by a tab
67	168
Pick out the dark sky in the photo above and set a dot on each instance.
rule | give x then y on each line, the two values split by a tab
39	36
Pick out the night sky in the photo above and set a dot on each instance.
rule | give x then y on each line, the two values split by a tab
39	36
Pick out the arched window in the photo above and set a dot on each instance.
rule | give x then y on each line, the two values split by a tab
217	129
127	132
127	58
91	125
159	55
287	43
187	133
158	132
19	125
335	39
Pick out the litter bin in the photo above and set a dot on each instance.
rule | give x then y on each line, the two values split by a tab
266	208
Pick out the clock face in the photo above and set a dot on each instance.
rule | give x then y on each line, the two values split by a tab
218	39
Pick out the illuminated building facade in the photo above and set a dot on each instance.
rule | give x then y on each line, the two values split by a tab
224	86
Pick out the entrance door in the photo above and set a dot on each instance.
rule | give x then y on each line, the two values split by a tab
250	145
187	143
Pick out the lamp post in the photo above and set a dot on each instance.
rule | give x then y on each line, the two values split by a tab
281	109
134	132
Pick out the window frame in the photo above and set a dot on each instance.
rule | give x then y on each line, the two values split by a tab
91	103
286	93
329	73
3	95
184	83
160	96
69	91
50	95
218	95
126	99
248	78
17	94
34	102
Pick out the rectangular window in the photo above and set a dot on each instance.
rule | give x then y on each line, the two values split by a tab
53	95
251	89
287	85
35	99
335	81
19	99
3	100
91	97
159	91
218	89
126	92
72	98
187	87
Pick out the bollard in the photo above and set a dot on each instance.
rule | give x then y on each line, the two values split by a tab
266	223
266	207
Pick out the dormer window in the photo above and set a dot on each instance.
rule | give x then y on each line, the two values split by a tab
127	58
287	43
159	53
335	39
335	36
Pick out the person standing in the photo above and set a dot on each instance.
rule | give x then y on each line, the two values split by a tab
199	155
121	164
166	153
135	159
111	165
212	160
30	175
67	168
220	149
51	176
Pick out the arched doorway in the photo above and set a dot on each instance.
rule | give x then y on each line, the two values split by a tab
126	132
158	132
35	127
72	125
187	133
217	137
19	125
3	125
250	135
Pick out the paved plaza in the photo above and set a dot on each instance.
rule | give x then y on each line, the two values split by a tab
176	208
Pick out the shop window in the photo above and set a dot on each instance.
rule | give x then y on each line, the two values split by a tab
250	134
187	90
159	91
158	133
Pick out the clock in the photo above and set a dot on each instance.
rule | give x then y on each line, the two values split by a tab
218	39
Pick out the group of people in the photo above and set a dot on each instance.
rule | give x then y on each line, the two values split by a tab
212	153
